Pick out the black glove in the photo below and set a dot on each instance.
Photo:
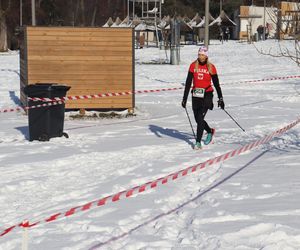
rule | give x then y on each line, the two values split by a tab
183	103
221	103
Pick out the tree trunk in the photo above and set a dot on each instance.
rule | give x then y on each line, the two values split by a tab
82	9
94	14
3	34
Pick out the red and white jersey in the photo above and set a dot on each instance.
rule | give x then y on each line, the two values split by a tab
202	77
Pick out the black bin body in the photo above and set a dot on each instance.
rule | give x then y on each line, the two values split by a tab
46	122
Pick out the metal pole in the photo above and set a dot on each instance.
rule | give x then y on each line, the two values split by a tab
234	120
206	34
175	41
128	10
264	33
21	14
147	9
221	7
190	123
33	12
160	2
133	9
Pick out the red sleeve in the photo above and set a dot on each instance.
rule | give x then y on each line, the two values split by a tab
213	70
192	68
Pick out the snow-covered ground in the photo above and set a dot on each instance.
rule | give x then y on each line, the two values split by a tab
248	202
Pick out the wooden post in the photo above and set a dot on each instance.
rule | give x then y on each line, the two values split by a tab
131	111
25	237
82	112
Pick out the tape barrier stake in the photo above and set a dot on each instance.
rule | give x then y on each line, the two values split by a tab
25	237
160	181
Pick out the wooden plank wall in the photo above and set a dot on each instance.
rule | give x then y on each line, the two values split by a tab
90	60
286	6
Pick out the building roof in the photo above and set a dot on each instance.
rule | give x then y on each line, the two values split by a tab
223	20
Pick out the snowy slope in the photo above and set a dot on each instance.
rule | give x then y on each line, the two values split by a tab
248	202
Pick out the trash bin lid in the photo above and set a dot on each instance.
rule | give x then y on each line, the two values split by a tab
44	89
60	87
37	89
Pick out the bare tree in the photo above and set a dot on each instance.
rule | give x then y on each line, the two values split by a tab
94	13
82	11
288	27
3	25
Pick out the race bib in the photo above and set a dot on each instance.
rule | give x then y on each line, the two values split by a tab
198	92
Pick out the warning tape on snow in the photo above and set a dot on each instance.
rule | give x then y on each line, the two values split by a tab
80	97
265	79
52	103
153	184
57	100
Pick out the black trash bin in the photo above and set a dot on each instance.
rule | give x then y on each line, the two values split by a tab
46	122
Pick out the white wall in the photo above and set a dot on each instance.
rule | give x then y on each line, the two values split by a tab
270	15
271	18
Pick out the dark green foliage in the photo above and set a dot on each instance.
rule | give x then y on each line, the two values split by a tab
96	12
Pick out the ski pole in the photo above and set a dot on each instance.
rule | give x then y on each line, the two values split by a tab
234	120
190	122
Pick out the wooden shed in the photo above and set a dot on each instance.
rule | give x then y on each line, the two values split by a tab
89	60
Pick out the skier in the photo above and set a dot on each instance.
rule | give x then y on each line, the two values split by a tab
202	72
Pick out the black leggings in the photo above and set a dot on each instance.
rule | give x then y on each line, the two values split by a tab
200	108
201	123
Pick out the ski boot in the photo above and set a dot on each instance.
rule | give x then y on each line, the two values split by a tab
198	146
209	137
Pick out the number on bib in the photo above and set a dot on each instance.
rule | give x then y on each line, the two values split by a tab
198	92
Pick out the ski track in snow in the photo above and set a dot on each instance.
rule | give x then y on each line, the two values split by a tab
249	202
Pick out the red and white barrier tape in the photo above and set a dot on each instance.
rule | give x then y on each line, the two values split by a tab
52	103
56	99
266	79
138	91
101	95
153	184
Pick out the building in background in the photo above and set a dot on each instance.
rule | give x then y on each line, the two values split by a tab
280	21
